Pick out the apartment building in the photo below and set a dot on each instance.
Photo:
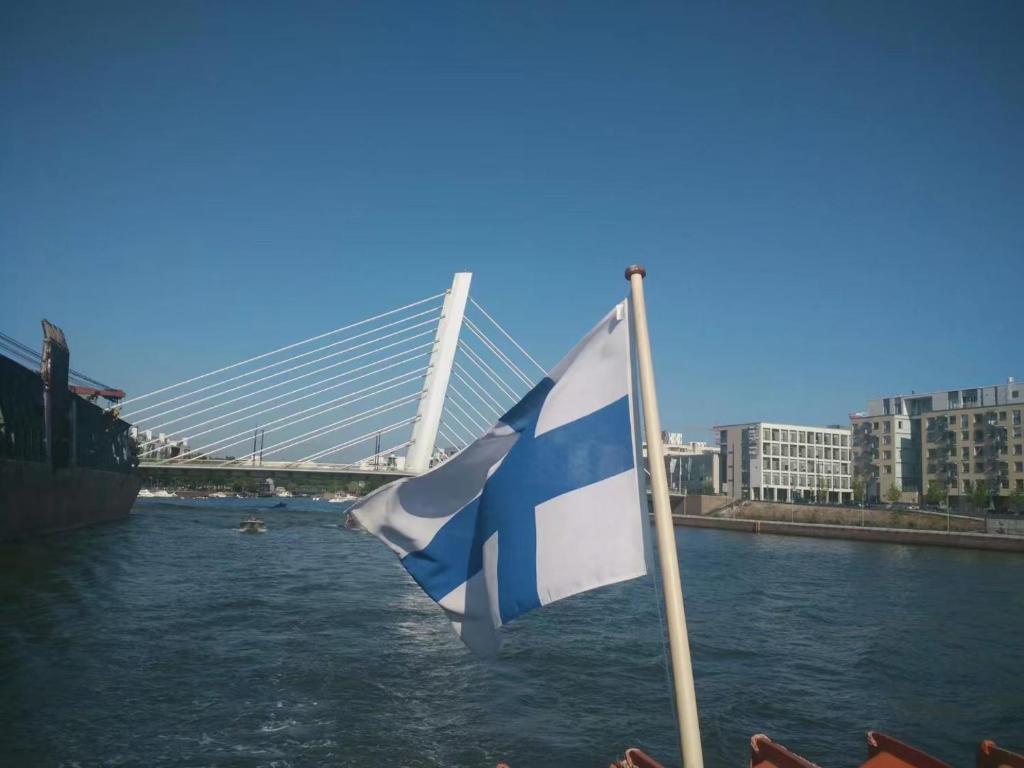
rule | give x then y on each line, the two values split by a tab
785	462
955	440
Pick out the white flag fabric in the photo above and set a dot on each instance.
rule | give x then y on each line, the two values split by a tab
547	504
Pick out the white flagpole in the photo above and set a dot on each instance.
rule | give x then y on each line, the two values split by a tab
679	643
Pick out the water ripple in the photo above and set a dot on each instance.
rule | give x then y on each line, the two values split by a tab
170	639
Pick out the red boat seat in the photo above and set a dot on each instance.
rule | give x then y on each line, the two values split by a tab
887	752
765	753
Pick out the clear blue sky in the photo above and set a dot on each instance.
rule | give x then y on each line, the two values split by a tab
829	197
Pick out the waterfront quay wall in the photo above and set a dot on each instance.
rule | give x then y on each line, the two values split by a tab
962	540
698	504
852	516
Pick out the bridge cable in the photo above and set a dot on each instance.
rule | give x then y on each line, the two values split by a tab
392	449
348	421
134	415
319	431
319	410
465	400
489	372
356	440
468	431
463	411
478	389
451	441
498	353
287	347
300	389
509	336
218	427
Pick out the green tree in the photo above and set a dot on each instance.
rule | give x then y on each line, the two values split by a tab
894	494
858	490
979	496
1017	500
936	493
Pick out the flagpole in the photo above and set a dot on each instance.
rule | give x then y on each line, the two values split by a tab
679	644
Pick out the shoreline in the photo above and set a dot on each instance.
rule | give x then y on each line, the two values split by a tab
961	540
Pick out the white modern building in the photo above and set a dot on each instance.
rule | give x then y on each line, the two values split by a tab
691	467
785	462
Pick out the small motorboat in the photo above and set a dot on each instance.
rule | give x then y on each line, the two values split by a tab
252	525
343	499
279	505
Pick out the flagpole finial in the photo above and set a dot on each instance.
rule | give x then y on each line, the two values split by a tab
635	269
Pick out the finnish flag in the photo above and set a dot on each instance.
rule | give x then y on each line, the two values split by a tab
547	504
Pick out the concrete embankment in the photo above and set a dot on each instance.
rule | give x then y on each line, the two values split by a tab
987	541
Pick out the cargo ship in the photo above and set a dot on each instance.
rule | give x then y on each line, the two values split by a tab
65	461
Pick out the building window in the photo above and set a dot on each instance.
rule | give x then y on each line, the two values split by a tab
1018	466
963	421
1016	418
1002	415
887	440
887	455
965	436
887	469
1017	449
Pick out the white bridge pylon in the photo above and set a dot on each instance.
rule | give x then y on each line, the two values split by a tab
428	369
439	373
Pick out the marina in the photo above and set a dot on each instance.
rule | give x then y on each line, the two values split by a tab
257	650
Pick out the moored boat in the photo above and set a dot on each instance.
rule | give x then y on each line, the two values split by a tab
343	499
65	461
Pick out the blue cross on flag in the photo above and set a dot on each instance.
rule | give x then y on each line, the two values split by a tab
545	505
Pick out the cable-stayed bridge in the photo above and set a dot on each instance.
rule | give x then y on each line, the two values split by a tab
390	394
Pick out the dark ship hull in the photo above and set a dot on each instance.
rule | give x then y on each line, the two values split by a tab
37	499
65	462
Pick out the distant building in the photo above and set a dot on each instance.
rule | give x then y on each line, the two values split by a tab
953	440
785	462
158	447
691	467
